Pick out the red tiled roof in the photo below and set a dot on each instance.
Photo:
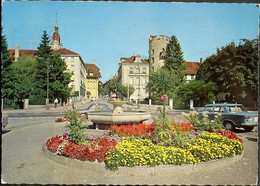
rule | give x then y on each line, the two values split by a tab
132	59
21	52
192	67
94	69
64	51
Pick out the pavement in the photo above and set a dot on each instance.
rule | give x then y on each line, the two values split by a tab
24	162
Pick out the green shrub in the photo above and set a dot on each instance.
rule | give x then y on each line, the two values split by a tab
76	125
203	122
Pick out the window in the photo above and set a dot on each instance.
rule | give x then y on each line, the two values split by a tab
91	73
144	80
131	81
137	70
144	70
153	52
131	71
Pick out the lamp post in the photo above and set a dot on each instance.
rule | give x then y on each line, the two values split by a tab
47	99
139	87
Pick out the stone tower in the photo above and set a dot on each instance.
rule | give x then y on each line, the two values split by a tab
157	51
55	43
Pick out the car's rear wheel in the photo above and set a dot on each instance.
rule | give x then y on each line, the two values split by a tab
229	126
248	128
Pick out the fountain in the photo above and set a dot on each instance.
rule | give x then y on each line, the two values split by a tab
117	116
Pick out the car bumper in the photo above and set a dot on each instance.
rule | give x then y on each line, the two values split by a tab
248	124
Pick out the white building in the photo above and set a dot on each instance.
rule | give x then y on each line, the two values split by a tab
134	71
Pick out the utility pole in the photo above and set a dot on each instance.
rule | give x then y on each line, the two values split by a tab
47	99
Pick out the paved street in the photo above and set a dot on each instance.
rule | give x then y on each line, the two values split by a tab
24	162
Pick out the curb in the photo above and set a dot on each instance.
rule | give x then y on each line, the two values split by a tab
161	170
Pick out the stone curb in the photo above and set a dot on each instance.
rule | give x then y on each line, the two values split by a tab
100	168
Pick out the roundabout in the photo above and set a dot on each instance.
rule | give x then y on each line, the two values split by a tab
161	170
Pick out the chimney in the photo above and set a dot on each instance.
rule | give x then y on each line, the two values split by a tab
137	59
201	60
16	52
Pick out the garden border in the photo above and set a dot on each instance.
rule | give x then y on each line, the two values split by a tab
100	168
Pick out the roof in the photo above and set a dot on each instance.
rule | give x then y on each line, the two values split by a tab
94	69
22	52
192	67
132	60
64	51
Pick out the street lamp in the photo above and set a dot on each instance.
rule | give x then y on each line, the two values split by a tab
139	75
47	99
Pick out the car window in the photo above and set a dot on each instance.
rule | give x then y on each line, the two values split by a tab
219	109
236	109
209	109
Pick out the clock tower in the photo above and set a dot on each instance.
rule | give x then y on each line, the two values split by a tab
55	43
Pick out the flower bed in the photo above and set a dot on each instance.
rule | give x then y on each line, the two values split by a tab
163	142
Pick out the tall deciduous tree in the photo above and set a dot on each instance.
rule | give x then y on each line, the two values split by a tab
197	90
162	81
8	73
126	90
26	69
234	70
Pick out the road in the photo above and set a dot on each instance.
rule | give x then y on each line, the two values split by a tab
20	120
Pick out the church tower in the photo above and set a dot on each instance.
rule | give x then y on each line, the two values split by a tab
55	43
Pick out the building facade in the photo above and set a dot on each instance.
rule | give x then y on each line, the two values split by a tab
92	81
157	51
74	62
157	56
75	65
134	71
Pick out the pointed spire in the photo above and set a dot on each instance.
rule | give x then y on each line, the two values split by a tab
56	23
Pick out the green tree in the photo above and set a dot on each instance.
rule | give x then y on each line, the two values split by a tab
162	81
234	71
43	65
198	91
126	90
112	85
9	78
25	67
175	60
59	78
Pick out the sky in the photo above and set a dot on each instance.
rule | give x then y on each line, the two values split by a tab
103	32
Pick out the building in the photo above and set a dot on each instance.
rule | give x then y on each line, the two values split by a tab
191	70
92	81
157	55
134	71
75	65
157	51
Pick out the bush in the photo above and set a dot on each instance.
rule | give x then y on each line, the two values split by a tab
203	122
76	125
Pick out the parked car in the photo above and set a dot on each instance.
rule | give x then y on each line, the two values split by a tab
96	107
233	115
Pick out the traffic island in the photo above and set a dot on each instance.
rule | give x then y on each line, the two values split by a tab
99	168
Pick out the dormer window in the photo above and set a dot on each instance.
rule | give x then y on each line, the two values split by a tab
91	74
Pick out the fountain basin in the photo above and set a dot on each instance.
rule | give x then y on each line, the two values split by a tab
118	118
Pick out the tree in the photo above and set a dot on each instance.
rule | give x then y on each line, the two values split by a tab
197	90
8	73
59	78
175	60
234	71
25	67
43	61
126	90
162	81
